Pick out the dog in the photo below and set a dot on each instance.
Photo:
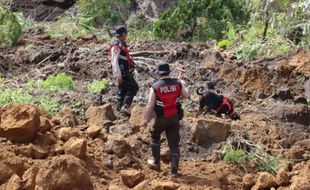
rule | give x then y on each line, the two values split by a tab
216	103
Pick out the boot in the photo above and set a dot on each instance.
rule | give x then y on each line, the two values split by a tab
126	105
155	162
175	158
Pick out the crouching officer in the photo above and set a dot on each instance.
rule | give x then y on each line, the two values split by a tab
122	67
164	100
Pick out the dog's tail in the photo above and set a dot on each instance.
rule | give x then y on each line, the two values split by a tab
199	91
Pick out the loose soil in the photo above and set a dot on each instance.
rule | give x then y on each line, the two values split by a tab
252	86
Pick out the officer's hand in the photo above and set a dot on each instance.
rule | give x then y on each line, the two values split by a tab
119	80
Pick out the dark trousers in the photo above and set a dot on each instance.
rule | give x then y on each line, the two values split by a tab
126	91
171	127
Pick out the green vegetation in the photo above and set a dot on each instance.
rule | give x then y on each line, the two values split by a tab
105	11
98	85
8	96
71	27
236	156
200	19
263	160
10	29
275	29
58	82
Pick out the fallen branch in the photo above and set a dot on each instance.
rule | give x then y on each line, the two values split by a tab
146	53
45	59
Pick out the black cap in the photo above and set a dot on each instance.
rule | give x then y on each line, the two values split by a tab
120	30
163	68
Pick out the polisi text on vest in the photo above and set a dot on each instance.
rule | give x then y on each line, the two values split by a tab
167	89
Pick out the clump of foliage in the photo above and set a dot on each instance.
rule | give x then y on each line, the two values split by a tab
58	82
98	85
105	11
10	29
71	26
256	154
9	96
200	19
275	28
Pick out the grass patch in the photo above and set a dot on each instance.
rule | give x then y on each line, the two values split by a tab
71	27
56	83
8	96
263	160
98	85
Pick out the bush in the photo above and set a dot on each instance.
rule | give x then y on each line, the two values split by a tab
98	85
10	29
71	27
263	160
105	11
200	19
8	96
288	28
236	156
58	82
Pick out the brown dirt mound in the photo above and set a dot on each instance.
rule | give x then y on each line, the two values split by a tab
121	145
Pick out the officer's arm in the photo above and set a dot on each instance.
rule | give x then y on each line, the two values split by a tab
115	52
184	93
150	107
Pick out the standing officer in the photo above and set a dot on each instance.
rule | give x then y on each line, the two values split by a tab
122	67
164	101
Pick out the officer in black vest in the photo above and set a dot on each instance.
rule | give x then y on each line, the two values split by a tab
122	67
164	103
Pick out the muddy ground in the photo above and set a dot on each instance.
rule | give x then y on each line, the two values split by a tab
269	94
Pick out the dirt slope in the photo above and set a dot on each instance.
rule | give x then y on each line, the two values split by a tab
270	118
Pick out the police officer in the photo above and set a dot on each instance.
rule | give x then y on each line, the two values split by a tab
163	102
122	67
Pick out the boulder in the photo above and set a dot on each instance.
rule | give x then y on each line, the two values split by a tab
164	185
93	131
56	149
136	117
45	124
295	153
301	181
119	147
11	164
282	178
97	115
20	123
63	173
76	147
67	117
209	130
14	183
5	172
29	178
248	181
142	186
65	133
264	180
131	178
33	151
47	138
